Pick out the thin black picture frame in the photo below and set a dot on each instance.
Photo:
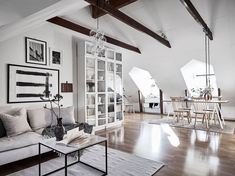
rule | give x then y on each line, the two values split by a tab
9	77
27	60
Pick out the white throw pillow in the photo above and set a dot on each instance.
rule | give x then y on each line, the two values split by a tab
15	122
38	119
67	115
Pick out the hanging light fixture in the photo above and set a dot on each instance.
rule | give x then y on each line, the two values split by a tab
207	92
98	38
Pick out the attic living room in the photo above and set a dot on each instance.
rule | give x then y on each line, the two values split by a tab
119	88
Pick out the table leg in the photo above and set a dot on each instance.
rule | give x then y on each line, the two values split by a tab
39	158
79	155
65	165
221	114
106	158
217	112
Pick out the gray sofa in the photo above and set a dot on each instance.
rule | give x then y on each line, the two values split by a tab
25	145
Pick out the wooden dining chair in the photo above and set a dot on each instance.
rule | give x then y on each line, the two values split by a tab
201	110
180	109
213	112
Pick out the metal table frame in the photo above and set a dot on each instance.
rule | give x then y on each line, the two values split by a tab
66	165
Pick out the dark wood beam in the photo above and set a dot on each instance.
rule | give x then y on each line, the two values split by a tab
193	11
76	27
117	4
127	20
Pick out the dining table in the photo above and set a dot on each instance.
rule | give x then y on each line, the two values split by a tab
217	107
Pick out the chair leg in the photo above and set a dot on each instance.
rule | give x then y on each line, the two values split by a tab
214	114
174	116
188	117
203	118
181	116
206	119
195	120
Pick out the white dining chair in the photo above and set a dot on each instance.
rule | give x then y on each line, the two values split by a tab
202	109
179	109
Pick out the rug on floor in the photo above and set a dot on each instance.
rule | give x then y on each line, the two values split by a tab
119	164
199	126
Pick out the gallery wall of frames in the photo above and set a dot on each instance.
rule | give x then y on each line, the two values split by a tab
33	64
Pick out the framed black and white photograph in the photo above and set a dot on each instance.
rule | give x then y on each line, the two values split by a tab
56	57
28	84
36	51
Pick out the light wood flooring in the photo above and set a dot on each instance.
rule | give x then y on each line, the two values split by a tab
184	151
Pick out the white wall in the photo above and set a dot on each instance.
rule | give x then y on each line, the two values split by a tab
12	51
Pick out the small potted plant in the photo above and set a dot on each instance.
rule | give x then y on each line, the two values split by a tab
59	129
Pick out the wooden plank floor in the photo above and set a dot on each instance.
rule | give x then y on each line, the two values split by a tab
184	151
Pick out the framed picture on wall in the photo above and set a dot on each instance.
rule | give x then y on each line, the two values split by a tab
56	57
36	51
28	84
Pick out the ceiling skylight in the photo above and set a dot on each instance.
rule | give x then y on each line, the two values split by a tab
144	82
194	77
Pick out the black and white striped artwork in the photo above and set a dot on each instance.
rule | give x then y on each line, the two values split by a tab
36	51
28	84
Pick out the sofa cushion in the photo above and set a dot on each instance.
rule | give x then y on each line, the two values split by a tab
2	129
15	122
38	119
67	115
19	141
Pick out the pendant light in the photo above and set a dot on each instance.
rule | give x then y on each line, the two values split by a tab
97	37
207	93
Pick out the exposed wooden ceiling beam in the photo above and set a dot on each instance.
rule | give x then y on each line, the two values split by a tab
128	20
76	27
193	11
117	4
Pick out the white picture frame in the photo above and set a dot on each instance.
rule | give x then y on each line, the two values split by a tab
27	84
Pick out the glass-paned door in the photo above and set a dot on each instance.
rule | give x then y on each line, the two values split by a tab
110	54
90	75
101	75
119	57
110	77
101	109
119	92
89	48
111	106
91	108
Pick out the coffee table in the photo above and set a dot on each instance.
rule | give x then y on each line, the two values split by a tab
66	150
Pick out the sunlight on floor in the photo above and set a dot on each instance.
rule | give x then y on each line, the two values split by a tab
172	137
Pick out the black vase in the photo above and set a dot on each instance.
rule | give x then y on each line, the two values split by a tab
59	130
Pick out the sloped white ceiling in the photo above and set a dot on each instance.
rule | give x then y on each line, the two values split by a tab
13	10
185	35
170	17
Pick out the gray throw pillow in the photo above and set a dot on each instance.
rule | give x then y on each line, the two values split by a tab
15	124
2	129
67	115
38	119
